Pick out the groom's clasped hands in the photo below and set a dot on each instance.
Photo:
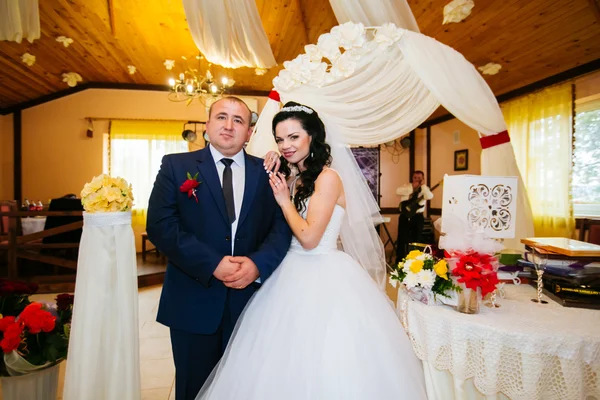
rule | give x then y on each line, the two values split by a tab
236	272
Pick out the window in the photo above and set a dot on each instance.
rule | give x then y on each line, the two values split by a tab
136	149
586	158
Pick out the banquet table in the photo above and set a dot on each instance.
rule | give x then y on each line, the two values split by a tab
32	225
521	350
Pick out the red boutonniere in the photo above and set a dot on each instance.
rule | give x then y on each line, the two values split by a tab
190	185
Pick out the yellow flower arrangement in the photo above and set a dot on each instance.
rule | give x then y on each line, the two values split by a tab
416	266
421	271
107	194
414	254
441	269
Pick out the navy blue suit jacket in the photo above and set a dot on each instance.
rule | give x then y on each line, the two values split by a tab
195	236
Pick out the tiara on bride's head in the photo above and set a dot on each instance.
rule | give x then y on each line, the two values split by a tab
297	109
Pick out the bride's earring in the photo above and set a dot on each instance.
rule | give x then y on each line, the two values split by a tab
312	155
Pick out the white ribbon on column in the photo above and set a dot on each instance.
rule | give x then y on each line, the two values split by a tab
229	33
375	12
19	19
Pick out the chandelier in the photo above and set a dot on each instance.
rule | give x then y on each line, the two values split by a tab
192	84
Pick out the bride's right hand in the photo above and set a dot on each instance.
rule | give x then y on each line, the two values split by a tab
272	162
281	191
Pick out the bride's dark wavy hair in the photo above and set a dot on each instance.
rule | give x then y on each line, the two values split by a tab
319	155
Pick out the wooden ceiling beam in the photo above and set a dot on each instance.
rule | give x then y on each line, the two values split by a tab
595	6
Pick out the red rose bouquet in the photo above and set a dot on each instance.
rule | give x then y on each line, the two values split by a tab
33	335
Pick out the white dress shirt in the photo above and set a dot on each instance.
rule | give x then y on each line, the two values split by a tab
406	190
238	173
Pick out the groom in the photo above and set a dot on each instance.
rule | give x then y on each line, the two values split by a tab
213	214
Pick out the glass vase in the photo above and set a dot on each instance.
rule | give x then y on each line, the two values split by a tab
469	300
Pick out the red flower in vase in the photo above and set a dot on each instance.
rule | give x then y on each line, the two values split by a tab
6	322
37	319
476	270
190	185
12	337
64	301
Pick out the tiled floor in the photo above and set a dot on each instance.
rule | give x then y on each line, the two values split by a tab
157	369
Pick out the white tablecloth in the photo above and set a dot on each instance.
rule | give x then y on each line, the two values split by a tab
522	350
32	225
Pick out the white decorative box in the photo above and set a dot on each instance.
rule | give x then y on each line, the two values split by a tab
488	204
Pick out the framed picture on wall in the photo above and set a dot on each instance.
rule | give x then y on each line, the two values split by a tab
461	160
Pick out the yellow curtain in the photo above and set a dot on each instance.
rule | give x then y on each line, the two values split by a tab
541	131
135	153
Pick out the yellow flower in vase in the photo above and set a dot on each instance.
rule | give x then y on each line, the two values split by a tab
414	254
416	266
441	269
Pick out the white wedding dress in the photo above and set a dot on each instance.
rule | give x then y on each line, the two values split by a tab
319	328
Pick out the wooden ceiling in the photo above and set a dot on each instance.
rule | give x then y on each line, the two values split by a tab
531	39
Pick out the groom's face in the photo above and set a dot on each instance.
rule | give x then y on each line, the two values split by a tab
228	126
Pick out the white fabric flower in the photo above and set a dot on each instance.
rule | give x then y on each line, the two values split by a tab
131	69
426	278
299	68
284	81
319	75
71	78
490	68
329	46
387	34
349	35
406	267
313	52
28	59
66	41
344	65
169	64
457	10
411	280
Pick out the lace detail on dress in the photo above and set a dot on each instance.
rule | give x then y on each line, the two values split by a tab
329	241
106	218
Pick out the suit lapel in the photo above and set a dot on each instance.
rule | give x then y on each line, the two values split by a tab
210	177
253	171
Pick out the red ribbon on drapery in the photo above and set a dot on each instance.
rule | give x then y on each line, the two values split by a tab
494	140
274	95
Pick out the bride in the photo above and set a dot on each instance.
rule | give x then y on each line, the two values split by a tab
320	327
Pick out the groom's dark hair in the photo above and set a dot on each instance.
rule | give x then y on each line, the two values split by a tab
235	100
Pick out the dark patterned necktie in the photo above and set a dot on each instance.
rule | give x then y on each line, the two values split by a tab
228	188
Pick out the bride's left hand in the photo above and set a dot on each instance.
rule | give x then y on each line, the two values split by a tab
280	188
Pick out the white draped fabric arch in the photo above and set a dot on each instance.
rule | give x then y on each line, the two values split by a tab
391	91
19	19
229	33
375	12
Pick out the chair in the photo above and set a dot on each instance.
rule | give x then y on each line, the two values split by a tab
6	206
594	234
63	204
144	247
74	236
